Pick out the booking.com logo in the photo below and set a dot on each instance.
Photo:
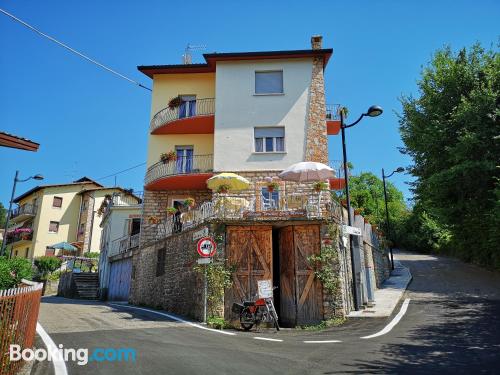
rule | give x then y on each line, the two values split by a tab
80	356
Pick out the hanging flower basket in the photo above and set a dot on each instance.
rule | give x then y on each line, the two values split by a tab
153	220
272	186
189	203
320	186
174	102
171	211
167	157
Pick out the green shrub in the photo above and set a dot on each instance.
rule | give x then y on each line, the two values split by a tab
91	255
46	265
13	270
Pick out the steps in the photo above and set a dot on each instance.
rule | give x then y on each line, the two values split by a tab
87	285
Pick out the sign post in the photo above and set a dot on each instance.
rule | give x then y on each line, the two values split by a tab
206	248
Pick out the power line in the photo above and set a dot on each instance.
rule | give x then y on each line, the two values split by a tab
123	171
71	49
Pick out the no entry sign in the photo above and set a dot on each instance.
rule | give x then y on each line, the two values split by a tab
206	247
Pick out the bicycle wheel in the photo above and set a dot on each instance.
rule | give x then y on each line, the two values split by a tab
246	319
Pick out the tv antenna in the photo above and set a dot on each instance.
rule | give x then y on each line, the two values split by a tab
187	58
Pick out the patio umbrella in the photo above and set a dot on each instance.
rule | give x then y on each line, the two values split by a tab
64	246
307	171
234	181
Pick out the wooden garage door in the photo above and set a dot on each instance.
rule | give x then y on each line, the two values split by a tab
249	248
301	293
119	280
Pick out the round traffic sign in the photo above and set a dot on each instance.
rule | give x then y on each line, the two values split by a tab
206	247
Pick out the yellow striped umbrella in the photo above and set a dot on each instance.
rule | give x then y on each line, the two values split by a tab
232	180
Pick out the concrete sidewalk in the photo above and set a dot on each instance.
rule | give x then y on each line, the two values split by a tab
389	295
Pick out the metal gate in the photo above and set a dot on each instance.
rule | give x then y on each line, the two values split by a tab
119	280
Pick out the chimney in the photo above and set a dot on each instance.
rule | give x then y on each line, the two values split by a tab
316	41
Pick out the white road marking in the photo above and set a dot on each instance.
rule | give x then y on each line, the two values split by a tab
393	322
267	339
174	318
322	342
57	361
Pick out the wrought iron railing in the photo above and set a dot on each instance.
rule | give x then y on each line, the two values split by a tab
26	209
123	244
187	109
295	204
338	167
182	165
333	111
11	238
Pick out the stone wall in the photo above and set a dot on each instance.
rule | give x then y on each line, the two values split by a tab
179	289
316	135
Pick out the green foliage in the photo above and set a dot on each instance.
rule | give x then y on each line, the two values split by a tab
46	265
3	215
217	322
451	131
91	254
325	324
219	277
367	194
13	270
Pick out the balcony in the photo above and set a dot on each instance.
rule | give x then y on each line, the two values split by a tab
333	119
191	117
185	173
19	235
124	244
338	182
23	212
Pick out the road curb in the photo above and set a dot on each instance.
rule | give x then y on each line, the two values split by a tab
389	295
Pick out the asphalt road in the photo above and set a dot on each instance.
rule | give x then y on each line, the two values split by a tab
452	325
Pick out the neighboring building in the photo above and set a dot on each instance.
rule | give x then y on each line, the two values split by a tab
49	214
13	141
255	114
121	227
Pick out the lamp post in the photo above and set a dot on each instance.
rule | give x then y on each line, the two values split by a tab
16	180
373	111
388	225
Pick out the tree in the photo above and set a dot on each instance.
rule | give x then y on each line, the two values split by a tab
367	195
451	131
46	265
3	215
12	271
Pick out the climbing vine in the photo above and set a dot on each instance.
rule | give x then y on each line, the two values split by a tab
324	263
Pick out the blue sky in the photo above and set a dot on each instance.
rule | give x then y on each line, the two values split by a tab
91	123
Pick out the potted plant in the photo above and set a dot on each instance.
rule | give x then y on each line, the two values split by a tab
153	220
272	186
174	102
171	211
224	188
168	157
189	202
358	211
320	186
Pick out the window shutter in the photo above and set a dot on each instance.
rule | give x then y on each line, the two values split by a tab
269	82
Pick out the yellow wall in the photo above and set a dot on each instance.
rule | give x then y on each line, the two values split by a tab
168	86
203	144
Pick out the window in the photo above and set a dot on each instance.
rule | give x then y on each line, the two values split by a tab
54	227
81	230
270	82
50	251
160	261
57	202
270	139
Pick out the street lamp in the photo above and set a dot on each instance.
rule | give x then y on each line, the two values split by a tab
388	226
16	180
373	111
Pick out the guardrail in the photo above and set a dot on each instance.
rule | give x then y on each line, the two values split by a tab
18	316
187	109
182	165
333	112
26	209
123	244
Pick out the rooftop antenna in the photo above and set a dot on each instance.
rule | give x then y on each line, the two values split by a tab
187	58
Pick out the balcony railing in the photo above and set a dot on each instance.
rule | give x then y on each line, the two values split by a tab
249	206
182	166
16	237
333	112
24	211
192	108
123	244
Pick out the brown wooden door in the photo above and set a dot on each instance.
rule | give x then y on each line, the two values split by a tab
301	293
249	248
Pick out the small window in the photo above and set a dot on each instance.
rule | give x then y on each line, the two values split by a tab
54	227
160	261
270	139
270	82
50	251
57	202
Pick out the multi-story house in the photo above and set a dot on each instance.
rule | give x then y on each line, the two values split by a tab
49	214
254	114
121	227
